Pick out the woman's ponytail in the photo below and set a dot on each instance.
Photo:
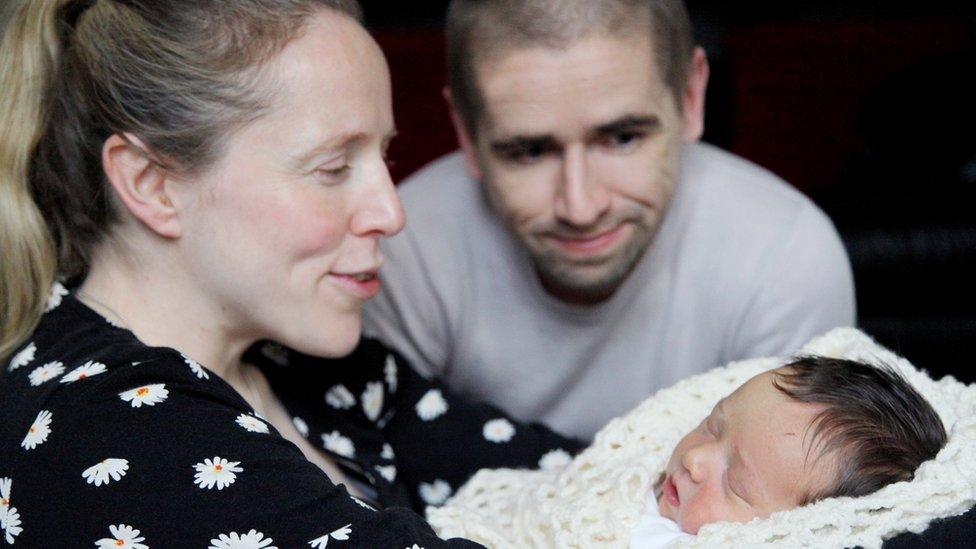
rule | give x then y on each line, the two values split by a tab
28	59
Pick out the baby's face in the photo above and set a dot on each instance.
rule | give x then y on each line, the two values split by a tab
747	459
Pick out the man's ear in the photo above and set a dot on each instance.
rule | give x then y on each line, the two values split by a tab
464	137
140	184
693	99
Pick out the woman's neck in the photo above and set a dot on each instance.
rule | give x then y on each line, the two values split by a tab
158	305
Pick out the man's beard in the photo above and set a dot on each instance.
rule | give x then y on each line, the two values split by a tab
589	282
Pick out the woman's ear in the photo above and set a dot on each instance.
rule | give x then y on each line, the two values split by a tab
140	184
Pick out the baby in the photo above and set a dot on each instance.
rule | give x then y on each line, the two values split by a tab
815	428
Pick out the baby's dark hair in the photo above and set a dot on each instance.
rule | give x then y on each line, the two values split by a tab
880	428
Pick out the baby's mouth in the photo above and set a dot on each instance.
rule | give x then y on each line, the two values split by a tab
670	492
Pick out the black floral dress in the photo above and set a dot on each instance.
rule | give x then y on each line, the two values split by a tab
107	442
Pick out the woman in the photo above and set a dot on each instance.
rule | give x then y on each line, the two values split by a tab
205	176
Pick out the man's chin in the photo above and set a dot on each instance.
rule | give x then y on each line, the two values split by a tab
581	290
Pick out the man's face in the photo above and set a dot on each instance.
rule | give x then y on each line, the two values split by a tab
579	151
747	459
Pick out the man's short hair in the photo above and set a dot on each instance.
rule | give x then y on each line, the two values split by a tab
879	428
479	29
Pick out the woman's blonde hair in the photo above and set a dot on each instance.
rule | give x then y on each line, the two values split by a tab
178	74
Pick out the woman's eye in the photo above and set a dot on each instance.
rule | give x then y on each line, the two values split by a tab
332	175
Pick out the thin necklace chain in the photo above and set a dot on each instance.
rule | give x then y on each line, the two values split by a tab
258	403
86	297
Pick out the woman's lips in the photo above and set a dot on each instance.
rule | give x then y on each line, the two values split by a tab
671	493
360	285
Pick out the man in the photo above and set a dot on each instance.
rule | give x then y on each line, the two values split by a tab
583	250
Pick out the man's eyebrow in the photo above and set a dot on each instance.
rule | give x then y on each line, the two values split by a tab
522	142
629	122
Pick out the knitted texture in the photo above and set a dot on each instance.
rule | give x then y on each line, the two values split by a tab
596	500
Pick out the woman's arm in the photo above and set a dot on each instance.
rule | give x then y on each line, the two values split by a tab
156	448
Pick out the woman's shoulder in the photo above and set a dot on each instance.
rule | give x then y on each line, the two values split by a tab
76	360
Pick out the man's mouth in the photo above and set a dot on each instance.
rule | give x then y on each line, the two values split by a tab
589	245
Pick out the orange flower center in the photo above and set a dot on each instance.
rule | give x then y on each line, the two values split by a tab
218	468
82	376
119	542
5	502
142	392
33	430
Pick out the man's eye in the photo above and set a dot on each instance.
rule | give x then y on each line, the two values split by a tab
528	154
624	140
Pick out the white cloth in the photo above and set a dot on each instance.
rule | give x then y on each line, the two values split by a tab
595	501
654	531
743	265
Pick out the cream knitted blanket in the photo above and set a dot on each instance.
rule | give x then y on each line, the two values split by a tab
596	500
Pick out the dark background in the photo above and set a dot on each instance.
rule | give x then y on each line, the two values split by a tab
867	107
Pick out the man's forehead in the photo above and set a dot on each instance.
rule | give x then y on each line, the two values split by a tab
593	82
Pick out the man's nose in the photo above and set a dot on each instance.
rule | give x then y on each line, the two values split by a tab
582	199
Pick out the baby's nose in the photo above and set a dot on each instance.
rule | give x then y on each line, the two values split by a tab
695	461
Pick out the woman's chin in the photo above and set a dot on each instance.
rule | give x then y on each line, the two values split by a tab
333	341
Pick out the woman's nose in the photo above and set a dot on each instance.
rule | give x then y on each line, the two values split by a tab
380	212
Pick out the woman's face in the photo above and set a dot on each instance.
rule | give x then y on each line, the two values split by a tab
283	232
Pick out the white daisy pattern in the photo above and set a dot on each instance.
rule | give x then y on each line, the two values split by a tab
275	353
372	400
123	537
250	540
388	472
335	442
498	430
216	472
38	431
85	371
414	546
435	493
555	459
23	358
196	368
106	471
252	424
300	424
9	516
387	452
58	291
432	405
10	524
43	374
362	503
150	395
340	534
5	485
390	372
340	397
